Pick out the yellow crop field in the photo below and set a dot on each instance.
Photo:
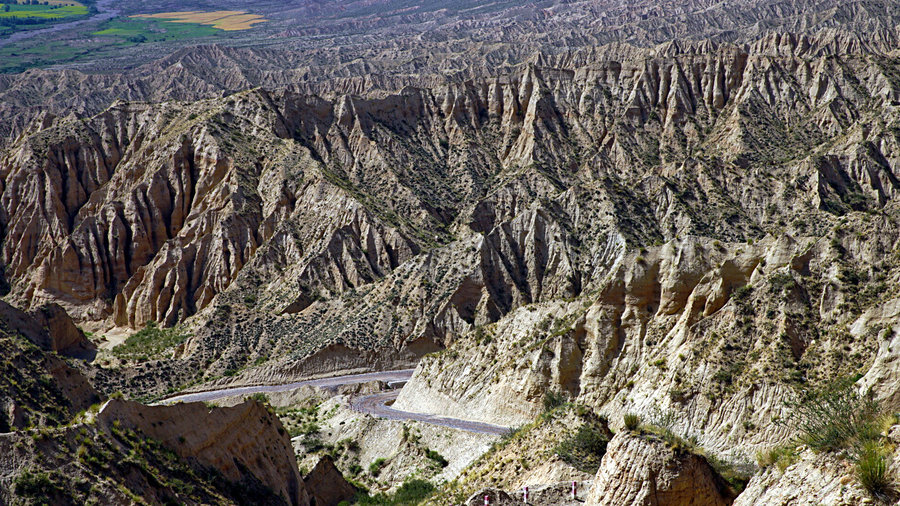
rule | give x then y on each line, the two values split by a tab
223	20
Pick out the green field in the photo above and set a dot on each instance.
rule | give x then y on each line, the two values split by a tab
41	11
135	31
101	40
16	17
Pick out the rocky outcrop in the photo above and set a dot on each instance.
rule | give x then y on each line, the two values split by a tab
246	443
814	479
38	388
50	328
715	334
676	227
349	48
642	470
326	485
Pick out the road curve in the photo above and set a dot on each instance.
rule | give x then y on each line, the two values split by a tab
330	383
376	405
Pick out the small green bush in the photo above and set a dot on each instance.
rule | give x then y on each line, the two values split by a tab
376	465
36	485
436	457
632	421
742	293
148	343
410	493
553	400
781	457
413	492
584	449
872	469
259	397
837	417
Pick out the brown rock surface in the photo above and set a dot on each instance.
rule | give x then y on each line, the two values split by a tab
245	442
50	328
326	485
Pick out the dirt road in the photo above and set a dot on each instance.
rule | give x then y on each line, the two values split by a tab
375	405
333	382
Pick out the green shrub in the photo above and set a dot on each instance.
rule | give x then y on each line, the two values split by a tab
632	421
837	417
584	449
413	492
410	493
553	400
36	485
872	469
436	457
736	474
150	342
511	433
781	457
312	445
310	428
259	397
376	465
742	293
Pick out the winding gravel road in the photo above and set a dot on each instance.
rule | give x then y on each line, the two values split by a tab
375	405
330	383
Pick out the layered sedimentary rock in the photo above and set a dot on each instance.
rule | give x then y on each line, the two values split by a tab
721	335
326	485
695	228
822	479
246	443
640	470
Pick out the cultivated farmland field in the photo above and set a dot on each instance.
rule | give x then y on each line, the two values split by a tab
16	17
223	20
152	30
110	37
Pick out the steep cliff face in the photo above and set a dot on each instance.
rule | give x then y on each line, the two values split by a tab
246	443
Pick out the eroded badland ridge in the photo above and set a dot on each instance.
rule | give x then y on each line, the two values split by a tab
695	226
